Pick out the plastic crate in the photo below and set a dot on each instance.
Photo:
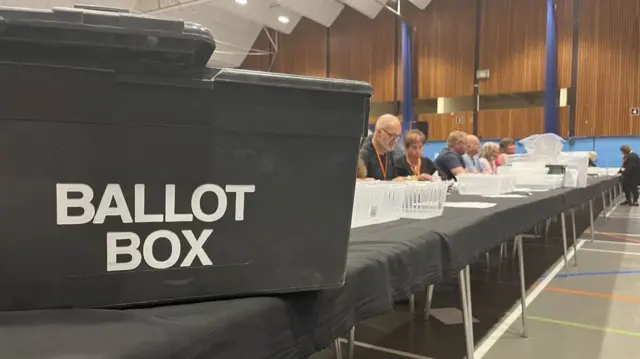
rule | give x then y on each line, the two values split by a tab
423	200
486	184
139	177
368	197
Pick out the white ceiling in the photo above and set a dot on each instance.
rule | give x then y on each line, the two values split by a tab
234	26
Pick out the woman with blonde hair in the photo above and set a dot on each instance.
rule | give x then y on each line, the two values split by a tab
489	153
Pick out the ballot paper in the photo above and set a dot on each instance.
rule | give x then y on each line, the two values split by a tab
469	204
518	189
504	195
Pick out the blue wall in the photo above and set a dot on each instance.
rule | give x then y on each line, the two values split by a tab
607	148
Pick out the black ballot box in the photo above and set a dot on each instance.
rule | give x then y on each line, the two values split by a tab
131	174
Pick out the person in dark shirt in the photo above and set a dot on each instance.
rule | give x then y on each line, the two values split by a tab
413	166
630	175
377	151
449	162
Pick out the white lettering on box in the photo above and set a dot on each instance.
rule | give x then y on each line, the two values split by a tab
130	250
125	250
170	207
63	203
139	212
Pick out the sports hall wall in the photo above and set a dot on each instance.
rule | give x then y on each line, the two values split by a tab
598	46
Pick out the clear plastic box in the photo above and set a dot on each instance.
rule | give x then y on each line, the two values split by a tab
486	184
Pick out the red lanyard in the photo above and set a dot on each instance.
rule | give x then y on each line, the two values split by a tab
383	168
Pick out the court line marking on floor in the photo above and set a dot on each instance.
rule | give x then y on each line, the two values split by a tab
612	209
609	251
617	234
498	331
387	350
604	241
585	326
623	216
620	237
621	298
598	274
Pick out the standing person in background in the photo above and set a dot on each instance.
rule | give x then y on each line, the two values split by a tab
507	147
489	152
449	162
471	160
413	166
377	150
630	175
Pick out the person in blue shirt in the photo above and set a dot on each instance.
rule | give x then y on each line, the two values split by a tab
449	162
471	159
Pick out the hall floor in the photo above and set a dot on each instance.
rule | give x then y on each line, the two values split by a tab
587	312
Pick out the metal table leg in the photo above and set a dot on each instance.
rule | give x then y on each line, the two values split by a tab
351	343
412	303
523	301
575	239
427	303
564	242
591	219
466	313
338	348
611	198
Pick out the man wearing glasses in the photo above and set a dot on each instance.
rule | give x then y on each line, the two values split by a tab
377	150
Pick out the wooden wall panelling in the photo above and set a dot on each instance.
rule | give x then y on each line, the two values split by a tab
526	121
512	45
563	119
494	124
515	123
440	125
444	40
259	62
304	51
363	49
608	68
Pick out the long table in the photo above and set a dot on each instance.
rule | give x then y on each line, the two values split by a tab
386	262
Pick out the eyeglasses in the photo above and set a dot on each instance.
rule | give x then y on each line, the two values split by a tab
392	135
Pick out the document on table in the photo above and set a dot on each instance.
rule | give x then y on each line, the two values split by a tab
531	189
469	204
504	196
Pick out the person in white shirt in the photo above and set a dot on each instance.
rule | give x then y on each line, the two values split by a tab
471	160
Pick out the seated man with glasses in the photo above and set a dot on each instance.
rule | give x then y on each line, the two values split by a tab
377	150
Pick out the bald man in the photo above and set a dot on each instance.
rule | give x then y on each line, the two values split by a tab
377	151
471	160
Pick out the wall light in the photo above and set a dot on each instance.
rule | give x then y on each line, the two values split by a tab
241	2
283	19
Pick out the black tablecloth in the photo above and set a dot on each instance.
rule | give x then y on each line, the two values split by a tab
385	262
469	232
580	196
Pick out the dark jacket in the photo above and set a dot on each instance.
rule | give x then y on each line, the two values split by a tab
631	169
403	169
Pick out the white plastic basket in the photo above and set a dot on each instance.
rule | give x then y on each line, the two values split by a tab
367	201
422	200
485	184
